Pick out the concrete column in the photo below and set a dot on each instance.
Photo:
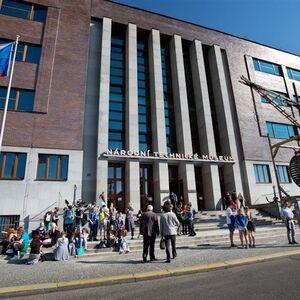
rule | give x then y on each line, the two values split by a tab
182	119
131	120
102	164
159	142
210	173
90	131
232	173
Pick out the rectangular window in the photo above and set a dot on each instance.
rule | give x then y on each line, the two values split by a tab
8	221
19	99
26	52
262	173
53	167
267	67
283	174
281	131
293	74
23	10
12	165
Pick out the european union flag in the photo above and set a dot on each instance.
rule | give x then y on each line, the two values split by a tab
5	54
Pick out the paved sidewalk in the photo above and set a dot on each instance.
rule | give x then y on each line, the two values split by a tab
17	273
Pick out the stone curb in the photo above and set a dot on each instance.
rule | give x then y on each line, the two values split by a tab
35	289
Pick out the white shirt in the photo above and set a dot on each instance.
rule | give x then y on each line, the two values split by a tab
286	213
229	213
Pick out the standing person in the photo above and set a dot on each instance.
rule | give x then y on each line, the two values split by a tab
168	228
103	218
112	214
288	216
190	219
61	251
69	219
79	217
184	218
227	200
101	200
173	199
241	221
129	221
48	218
149	229
55	215
179	216
241	200
94	223
230	220
250	228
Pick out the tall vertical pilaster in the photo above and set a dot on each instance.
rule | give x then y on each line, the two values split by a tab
182	119
102	164
210	173
232	173
159	142
131	120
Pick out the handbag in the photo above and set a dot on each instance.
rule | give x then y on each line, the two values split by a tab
162	244
80	251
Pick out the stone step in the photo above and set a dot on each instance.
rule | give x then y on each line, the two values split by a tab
110	252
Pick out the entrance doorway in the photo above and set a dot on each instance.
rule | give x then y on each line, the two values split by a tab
199	188
116	186
175	185
146	186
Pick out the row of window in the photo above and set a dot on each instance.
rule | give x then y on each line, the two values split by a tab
23	10
262	173
50	167
274	69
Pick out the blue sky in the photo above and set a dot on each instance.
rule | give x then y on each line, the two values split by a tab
271	22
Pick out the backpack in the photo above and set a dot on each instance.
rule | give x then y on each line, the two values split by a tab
48	217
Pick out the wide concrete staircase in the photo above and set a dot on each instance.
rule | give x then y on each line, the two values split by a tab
211	230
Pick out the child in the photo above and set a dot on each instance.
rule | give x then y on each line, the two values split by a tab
123	244
241	221
250	228
84	238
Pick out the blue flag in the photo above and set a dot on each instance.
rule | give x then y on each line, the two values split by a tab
5	54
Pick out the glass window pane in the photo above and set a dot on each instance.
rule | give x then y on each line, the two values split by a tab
21	166
115	136
116	106
26	100
52	172
116	116
115	125
115	145
1	162
40	14
119	172
9	165
116	80
64	167
42	166
33	54
117	63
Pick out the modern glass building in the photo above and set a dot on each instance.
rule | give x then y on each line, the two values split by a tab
111	98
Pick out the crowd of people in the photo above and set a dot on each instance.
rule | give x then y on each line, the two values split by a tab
97	222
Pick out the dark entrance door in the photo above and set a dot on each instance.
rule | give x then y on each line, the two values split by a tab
175	185
146	186
116	186
199	188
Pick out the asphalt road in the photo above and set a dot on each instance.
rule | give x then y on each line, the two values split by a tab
276	279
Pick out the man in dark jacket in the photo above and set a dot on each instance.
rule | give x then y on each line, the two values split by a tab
149	229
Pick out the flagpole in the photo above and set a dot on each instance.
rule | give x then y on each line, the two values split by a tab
8	92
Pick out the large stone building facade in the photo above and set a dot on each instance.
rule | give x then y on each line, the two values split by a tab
112	98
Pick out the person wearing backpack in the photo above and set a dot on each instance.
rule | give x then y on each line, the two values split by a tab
48	218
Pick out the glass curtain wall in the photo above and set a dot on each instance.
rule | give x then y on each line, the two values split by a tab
116	138
144	108
168	99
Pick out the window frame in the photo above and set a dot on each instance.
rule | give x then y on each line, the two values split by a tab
260	64
3	159
263	168
58	167
285	172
